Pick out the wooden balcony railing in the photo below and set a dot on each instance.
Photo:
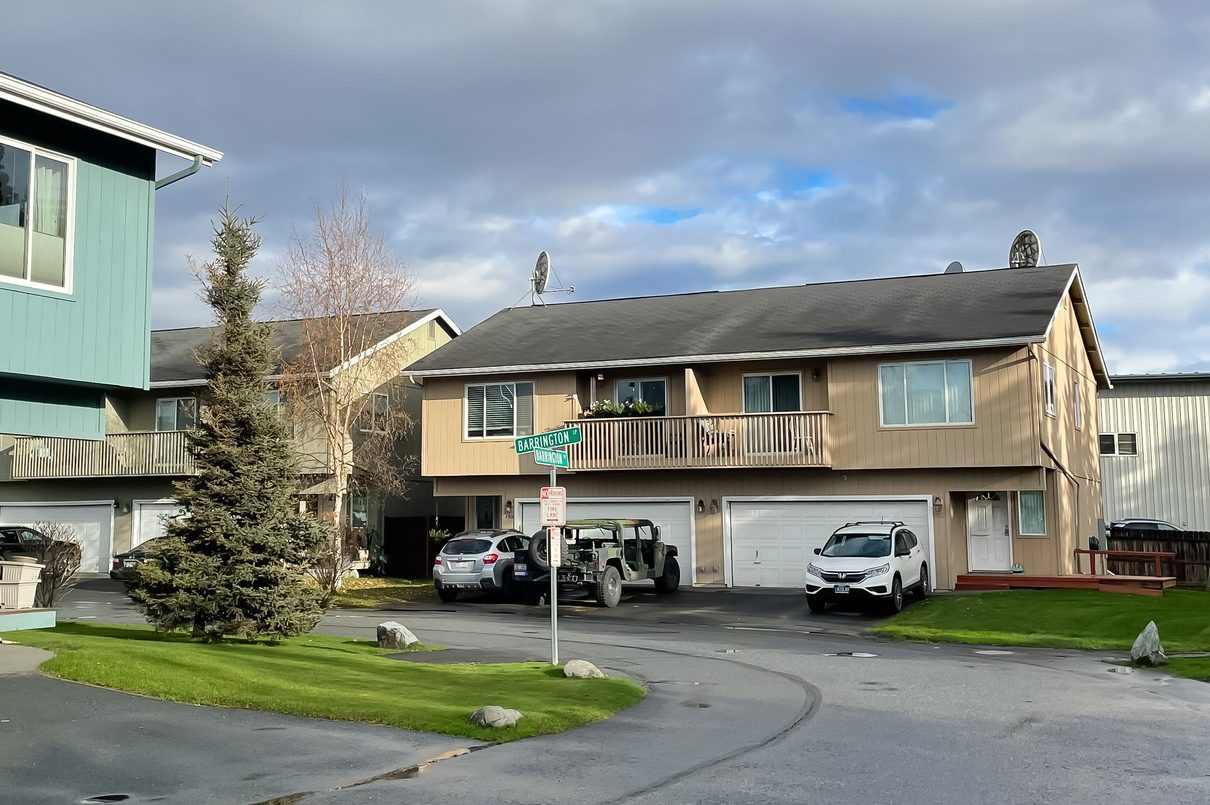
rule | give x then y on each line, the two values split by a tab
118	455
714	440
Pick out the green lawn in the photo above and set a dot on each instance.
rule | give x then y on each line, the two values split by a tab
1198	668
374	593
1084	619
328	677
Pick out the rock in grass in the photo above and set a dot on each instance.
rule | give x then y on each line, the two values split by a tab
495	717
1147	649
582	669
395	635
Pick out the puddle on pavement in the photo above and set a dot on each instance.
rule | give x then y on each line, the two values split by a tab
864	655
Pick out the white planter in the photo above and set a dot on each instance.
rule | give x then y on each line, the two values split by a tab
20	571
19	584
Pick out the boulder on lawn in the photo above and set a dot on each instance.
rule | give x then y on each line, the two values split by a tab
395	635
1147	649
582	669
495	717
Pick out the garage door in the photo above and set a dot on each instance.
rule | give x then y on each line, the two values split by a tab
675	519
772	540
91	522
151	520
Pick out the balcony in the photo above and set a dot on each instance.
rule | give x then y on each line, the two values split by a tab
708	441
119	455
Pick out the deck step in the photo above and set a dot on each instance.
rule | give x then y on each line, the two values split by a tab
1132	585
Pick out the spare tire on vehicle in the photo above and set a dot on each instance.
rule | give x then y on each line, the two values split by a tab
539	553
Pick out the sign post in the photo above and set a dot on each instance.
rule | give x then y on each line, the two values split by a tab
554	509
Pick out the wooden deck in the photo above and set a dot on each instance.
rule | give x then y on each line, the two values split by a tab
1133	585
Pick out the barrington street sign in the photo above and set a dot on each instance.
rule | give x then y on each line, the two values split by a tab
550	458
549	440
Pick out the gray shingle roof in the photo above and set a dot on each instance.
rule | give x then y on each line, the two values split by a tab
173	352
895	311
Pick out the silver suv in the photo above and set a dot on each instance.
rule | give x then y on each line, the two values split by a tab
479	560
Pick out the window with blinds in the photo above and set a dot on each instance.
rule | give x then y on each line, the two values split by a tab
499	410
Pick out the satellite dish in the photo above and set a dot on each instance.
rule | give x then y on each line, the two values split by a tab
1025	250
541	273
954	268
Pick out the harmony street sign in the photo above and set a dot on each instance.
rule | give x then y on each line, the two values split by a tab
548	440
553	504
550	458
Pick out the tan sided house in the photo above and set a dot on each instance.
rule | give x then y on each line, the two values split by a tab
962	404
116	492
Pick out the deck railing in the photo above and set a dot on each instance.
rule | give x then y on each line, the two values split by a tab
117	455
797	439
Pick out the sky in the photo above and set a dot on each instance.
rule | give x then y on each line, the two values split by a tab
679	145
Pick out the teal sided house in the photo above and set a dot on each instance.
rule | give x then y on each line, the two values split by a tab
77	207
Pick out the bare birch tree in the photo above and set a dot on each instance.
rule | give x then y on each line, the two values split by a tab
342	280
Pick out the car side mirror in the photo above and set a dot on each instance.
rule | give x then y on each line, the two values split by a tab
818	551
655	531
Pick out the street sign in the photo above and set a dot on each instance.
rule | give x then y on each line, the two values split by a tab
554	505
548	440
550	458
554	546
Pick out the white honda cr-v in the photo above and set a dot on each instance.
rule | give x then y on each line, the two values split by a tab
871	562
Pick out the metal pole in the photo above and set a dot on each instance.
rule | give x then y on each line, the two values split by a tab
551	536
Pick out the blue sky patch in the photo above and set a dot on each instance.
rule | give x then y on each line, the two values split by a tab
912	105
666	215
792	180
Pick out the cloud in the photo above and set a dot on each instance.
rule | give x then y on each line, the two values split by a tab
681	145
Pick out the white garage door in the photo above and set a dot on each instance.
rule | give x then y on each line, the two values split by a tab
772	540
675	519
151	520
91	522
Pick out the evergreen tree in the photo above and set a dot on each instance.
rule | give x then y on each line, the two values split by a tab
234	565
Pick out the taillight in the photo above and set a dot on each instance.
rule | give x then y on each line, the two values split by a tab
117	564
490	559
436	560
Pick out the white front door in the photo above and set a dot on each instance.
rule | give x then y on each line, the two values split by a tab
151	520
988	539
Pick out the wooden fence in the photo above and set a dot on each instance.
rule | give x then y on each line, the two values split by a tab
1192	548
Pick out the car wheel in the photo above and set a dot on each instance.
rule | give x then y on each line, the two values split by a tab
538	554
923	591
447	594
817	604
671	580
894	604
609	587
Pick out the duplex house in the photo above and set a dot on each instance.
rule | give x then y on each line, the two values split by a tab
117	492
1155	448
77	204
961	404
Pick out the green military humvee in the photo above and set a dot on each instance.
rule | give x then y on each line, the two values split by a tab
598	555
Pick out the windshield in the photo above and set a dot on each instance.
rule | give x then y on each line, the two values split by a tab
869	546
462	547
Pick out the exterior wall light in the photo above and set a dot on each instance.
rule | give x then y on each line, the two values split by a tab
701	506
714	506
508	508
936	504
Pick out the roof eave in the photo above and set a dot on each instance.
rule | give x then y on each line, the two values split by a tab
52	103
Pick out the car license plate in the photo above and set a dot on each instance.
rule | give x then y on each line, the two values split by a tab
841	589
520	570
130	563
568	577
460	565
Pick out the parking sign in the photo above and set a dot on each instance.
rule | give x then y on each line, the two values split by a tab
554	506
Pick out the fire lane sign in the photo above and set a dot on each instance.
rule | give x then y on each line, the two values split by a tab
549	440
553	504
550	458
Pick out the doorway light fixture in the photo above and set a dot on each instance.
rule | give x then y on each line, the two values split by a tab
508	508
701	505
714	506
936	504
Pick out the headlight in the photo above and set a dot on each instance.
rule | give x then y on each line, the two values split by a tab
812	570
881	570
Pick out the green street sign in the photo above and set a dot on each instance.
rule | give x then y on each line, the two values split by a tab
548	440
550	458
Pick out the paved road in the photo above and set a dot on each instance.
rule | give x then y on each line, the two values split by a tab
748	704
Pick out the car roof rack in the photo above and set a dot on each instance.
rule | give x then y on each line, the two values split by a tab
874	522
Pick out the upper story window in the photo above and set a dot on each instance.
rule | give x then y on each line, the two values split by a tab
654	392
1118	444
926	393
499	410
765	394
1077	404
1048	388
175	413
375	418
36	215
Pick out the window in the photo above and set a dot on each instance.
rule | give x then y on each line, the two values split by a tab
272	397
36	216
375	419
175	413
1118	444
1077	404
1048	388
768	393
1031	514
499	410
652	392
359	511
935	393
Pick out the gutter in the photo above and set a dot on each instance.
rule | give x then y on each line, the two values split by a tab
181	174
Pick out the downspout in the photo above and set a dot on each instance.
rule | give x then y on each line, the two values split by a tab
181	174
